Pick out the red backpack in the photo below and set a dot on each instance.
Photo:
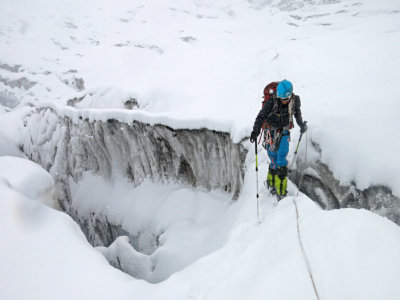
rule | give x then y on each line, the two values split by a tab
269	90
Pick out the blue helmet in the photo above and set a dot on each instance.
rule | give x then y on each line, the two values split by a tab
284	89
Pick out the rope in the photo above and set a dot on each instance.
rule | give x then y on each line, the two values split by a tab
303	252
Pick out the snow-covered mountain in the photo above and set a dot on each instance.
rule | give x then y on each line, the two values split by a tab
140	112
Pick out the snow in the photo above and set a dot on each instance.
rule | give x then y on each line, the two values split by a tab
331	262
174	225
195	64
26	177
8	147
44	255
353	254
125	116
266	262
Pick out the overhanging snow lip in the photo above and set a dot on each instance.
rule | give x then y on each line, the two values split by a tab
152	119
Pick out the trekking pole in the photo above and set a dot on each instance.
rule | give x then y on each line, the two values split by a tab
258	212
297	148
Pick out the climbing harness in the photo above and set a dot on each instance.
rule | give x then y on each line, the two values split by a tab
272	139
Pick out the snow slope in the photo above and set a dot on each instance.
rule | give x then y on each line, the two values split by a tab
27	178
44	254
193	64
352	254
265	262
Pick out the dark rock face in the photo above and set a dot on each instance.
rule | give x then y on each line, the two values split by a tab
8	99
199	158
131	103
320	185
18	83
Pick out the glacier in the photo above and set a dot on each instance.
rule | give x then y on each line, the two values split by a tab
124	145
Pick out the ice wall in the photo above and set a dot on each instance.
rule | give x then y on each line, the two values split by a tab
320	184
202	158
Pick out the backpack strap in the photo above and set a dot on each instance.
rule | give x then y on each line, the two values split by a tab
274	105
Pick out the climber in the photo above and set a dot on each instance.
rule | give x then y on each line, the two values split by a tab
276	120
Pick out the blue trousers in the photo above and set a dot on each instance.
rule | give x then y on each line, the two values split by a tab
278	157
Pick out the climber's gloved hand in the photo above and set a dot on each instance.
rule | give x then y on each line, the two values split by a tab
303	127
253	136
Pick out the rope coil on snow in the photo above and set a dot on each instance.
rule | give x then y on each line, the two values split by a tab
299	231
